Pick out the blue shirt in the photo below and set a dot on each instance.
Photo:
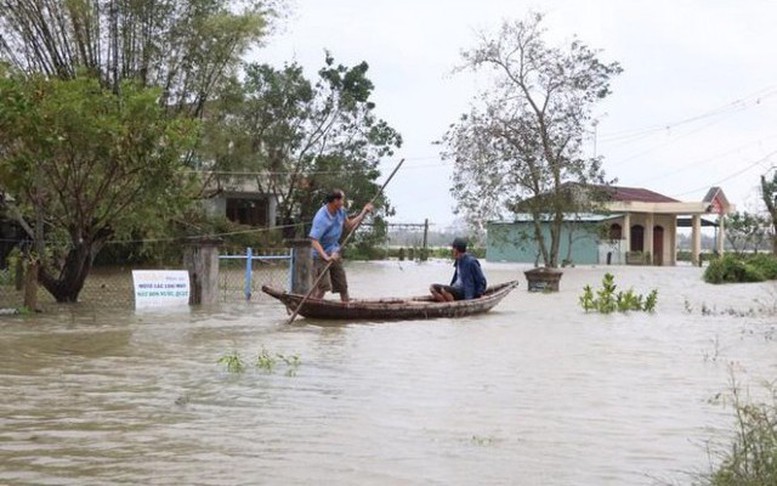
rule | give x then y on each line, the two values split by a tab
469	276
327	229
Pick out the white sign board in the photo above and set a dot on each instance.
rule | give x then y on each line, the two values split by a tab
160	288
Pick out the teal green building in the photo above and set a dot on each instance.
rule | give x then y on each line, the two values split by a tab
636	227
581	242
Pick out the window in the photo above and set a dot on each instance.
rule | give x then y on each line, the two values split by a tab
252	212
616	232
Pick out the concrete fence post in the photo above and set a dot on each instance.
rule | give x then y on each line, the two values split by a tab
201	259
301	265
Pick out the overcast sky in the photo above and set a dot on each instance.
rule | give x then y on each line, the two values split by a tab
696	105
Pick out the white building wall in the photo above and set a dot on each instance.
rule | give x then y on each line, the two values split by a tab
215	206
615	249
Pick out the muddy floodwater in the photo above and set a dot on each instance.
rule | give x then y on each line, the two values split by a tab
534	392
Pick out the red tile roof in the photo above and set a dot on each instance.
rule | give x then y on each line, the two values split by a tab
637	194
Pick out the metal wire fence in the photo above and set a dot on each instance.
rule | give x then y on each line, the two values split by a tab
112	286
272	267
10	296
105	287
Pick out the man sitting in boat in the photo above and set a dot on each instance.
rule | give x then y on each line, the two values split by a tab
468	281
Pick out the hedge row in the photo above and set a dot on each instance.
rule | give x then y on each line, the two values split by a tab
733	268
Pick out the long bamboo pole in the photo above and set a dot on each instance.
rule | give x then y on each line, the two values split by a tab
345	242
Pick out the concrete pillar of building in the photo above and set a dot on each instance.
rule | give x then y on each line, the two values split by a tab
649	236
673	240
626	236
696	240
721	234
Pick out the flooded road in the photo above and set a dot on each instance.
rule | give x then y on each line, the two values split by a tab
534	392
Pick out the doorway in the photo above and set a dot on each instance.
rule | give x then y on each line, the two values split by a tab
658	245
637	238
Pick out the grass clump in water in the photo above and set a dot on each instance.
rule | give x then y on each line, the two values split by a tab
268	361
751	459
265	360
232	362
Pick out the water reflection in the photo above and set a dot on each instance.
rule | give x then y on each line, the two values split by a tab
535	392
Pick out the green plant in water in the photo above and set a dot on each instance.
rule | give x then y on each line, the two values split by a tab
607	300
483	441
651	301
752	458
265	360
232	362
25	311
628	301
587	300
292	363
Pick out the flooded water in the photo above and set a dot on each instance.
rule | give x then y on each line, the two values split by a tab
534	392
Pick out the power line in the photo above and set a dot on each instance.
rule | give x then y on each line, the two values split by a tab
262	173
662	145
730	176
733	106
707	159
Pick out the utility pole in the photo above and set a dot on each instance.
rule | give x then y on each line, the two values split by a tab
425	251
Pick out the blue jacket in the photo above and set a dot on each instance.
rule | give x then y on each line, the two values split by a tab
472	279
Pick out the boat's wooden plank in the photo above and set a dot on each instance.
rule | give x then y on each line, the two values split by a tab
422	307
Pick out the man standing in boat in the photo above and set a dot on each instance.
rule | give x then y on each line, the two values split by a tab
328	225
468	281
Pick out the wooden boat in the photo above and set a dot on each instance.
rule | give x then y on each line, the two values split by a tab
392	308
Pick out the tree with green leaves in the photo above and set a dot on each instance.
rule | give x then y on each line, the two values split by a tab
521	145
298	139
188	49
86	164
746	231
769	195
92	144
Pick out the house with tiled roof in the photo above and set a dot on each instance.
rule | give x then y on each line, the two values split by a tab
632	226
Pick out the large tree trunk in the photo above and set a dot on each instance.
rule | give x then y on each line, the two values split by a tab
555	243
540	240
76	268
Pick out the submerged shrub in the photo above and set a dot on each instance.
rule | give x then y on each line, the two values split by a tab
766	263
232	362
731	268
265	360
606	300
